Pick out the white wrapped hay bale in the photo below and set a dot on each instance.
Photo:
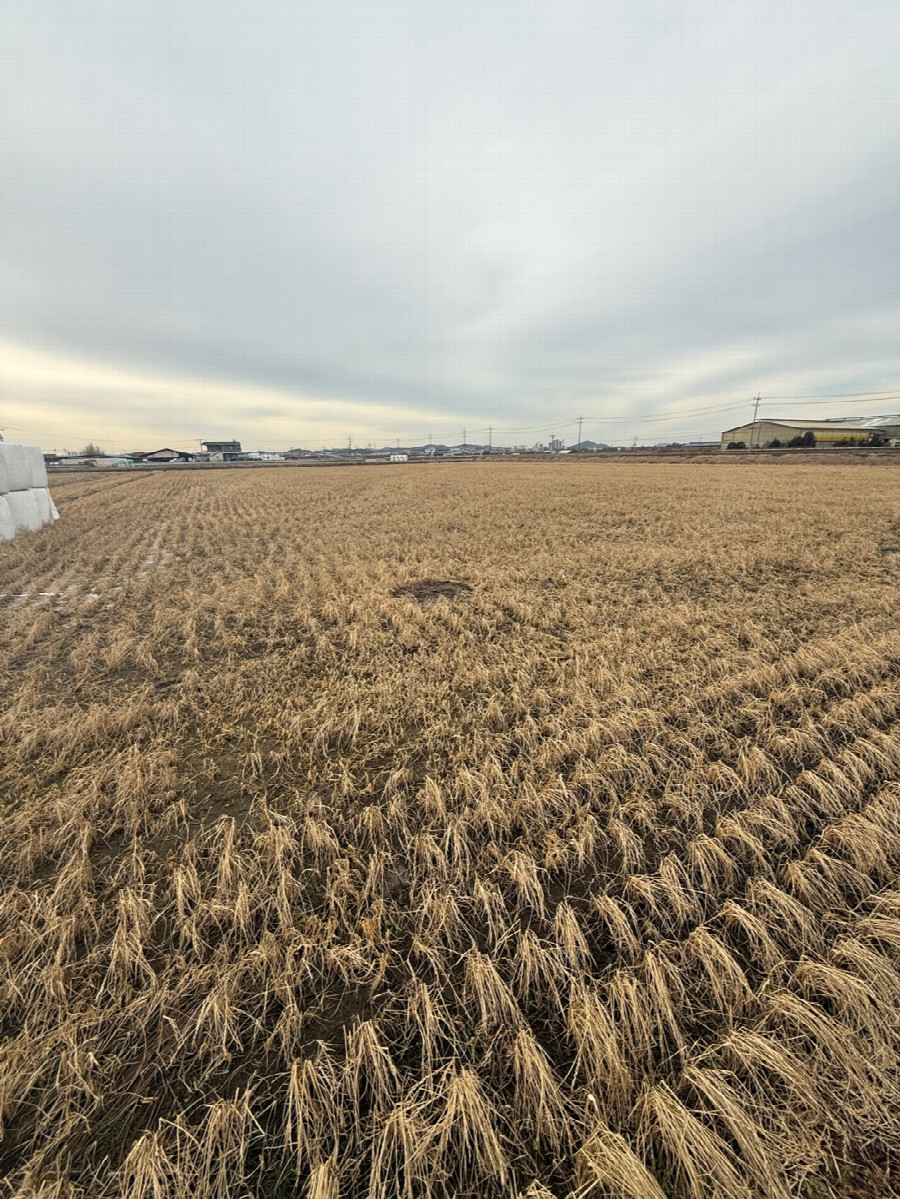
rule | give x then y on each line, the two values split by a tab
45	505
25	510
27	503
18	466
7	520
37	467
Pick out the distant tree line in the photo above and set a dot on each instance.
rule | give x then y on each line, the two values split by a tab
802	439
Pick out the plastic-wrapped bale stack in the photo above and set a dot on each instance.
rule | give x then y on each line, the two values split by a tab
25	501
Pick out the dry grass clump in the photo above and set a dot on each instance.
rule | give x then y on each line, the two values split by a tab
579	882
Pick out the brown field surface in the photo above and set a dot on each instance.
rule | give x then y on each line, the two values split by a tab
580	882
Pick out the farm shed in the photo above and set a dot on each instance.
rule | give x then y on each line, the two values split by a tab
866	430
100	462
167	454
25	502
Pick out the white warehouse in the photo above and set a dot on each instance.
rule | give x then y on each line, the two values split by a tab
860	430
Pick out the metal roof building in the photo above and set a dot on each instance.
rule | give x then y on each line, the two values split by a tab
862	430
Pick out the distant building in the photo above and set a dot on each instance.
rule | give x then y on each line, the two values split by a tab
399	457
861	430
101	461
167	454
228	449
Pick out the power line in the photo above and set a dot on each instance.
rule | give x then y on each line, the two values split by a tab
708	410
860	399
838	395
650	420
533	428
615	420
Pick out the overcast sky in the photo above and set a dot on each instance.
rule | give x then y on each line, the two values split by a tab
292	223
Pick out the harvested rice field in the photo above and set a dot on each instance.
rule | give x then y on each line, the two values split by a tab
453	830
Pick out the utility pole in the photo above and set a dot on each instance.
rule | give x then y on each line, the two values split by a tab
464	439
755	410
349	444
580	419
490	437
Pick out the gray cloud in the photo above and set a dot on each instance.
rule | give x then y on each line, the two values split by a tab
405	214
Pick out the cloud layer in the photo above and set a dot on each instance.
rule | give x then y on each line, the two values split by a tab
291	223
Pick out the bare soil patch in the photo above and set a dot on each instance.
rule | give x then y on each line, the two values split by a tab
429	591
